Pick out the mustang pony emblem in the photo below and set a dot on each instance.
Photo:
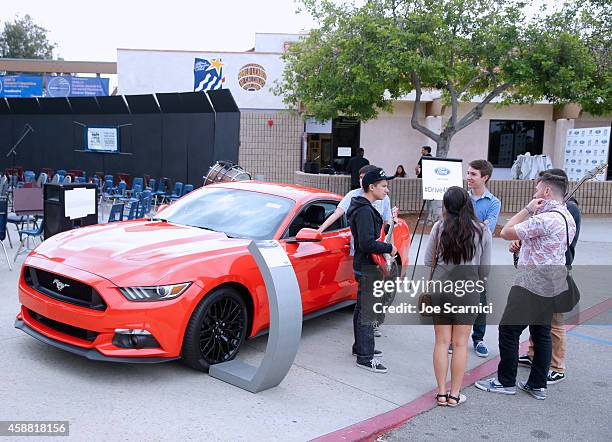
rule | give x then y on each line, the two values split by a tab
60	285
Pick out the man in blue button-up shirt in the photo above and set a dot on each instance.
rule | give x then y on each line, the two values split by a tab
487	208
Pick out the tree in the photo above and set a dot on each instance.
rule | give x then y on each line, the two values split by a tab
361	58
24	39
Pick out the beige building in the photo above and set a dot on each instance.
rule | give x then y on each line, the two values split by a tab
276	142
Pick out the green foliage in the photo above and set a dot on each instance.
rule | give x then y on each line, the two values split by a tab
360	58
22	38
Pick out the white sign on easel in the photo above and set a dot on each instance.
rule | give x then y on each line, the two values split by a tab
438	174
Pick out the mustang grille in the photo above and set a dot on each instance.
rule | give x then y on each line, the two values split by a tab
63	289
70	330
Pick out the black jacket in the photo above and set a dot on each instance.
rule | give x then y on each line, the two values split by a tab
366	224
354	165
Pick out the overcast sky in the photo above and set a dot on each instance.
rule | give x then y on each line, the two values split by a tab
93	30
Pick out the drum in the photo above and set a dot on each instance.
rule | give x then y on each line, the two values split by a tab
224	171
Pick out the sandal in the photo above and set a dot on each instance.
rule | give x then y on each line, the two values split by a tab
439	399
458	400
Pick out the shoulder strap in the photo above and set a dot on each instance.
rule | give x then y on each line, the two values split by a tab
566	228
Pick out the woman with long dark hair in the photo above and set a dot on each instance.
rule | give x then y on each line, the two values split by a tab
459	250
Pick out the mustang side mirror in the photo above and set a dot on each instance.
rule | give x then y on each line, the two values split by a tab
308	235
161	207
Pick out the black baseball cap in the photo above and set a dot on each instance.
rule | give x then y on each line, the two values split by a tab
374	176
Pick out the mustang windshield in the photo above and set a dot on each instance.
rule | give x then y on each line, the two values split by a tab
237	213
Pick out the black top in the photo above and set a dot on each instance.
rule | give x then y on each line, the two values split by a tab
354	165
366	224
420	163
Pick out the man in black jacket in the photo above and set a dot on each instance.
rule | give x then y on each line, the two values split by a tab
354	166
366	224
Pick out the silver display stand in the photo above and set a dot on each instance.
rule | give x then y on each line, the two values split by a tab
285	329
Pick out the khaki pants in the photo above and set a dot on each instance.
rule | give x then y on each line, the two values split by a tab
559	342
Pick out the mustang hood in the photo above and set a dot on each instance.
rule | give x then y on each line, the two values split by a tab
136	251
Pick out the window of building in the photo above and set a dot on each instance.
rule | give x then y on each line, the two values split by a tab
330	152
510	138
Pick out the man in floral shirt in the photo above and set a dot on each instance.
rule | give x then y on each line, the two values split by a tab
542	228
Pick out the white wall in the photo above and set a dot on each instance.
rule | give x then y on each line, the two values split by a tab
151	71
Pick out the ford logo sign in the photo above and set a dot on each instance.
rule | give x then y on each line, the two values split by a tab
587	151
598	131
442	171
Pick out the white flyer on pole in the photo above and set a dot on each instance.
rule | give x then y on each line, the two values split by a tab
438	175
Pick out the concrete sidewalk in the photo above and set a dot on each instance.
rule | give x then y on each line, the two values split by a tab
577	408
323	391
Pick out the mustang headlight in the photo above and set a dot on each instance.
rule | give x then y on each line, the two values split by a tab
154	293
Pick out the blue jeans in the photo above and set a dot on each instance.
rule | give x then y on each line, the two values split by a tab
480	324
363	346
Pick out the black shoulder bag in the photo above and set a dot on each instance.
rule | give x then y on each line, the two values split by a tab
566	301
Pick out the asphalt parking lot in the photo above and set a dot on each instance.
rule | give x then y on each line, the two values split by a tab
323	391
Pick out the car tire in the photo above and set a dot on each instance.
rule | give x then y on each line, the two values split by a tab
216	330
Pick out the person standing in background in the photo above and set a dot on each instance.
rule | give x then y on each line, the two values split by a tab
425	152
354	166
557	330
486	207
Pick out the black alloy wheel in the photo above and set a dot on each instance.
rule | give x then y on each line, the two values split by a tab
216	330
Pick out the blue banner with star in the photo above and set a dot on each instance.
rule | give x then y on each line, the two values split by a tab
207	75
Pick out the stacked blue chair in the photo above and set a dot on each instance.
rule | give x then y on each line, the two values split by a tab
186	189
137	186
80	179
135	192
42	179
133	210
177	192
116	213
26	234
144	206
151	185
161	190
29	177
119	192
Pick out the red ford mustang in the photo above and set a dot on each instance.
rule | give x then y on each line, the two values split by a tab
183	284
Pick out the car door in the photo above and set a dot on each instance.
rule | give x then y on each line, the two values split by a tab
323	269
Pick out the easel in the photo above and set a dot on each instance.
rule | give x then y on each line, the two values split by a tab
414	231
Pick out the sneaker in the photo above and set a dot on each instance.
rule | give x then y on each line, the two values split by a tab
492	385
481	349
450	349
372	365
377	332
377	353
524	360
554	377
536	393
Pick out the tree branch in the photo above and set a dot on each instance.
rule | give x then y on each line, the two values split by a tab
477	110
471	83
414	121
454	104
